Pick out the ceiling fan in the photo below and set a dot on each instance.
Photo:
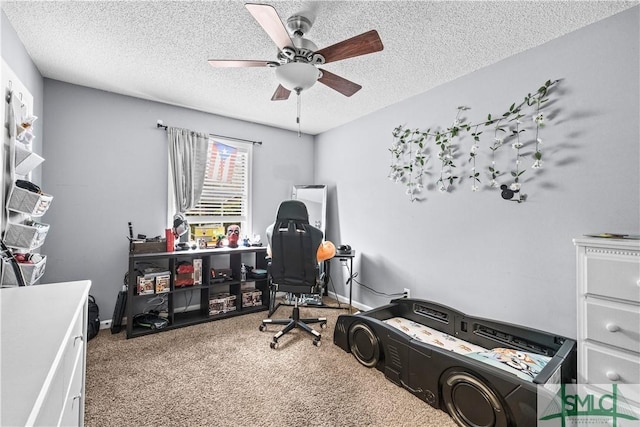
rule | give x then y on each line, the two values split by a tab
298	58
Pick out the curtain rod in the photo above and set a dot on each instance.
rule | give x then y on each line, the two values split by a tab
160	125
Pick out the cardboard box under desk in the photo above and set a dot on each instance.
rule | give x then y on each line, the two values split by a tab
163	283
145	285
221	303
251	297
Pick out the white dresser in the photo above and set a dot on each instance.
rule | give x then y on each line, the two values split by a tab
609	313
43	354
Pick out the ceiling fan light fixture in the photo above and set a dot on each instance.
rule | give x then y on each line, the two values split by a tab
297	76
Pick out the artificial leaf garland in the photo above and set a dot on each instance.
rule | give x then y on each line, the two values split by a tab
410	149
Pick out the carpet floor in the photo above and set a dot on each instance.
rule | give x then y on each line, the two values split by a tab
224	373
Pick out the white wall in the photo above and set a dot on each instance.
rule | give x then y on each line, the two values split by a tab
474	251
107	165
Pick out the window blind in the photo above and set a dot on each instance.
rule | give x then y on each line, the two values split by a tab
225	195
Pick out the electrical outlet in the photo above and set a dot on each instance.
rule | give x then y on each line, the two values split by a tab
105	324
407	293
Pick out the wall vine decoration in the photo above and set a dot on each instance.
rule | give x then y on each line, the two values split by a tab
411	148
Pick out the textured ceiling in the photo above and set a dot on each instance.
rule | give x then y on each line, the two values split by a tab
158	50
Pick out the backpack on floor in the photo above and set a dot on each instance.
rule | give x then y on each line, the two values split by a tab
93	318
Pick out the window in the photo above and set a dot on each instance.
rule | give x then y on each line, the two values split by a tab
225	197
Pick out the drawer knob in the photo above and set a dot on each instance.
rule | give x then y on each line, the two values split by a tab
612	327
612	376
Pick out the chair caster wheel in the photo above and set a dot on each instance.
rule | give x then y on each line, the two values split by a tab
323	325
262	328
273	344
317	342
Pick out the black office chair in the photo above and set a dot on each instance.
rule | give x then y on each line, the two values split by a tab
294	265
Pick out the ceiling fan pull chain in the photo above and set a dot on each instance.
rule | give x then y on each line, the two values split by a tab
298	112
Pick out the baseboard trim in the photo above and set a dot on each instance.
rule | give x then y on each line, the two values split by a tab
106	324
344	299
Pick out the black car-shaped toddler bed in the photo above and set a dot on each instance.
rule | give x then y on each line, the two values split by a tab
482	372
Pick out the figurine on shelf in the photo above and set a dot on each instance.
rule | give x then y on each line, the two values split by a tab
180	225
233	234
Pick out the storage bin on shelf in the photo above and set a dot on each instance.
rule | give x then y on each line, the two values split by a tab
30	271
28	202
28	236
221	303
251	297
25	160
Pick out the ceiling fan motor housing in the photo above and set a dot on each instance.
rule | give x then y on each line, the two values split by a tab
303	49
298	25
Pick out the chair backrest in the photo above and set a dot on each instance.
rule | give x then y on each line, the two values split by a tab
294	246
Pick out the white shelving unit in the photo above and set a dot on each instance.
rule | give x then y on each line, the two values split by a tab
21	230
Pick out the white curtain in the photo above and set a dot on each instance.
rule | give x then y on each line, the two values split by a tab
188	158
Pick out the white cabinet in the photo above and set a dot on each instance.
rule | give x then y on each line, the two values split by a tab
43	354
608	273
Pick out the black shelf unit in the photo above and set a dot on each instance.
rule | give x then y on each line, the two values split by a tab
189	305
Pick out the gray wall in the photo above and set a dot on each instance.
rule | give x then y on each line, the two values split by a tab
18	59
475	251
108	165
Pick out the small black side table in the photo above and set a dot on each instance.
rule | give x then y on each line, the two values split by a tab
348	256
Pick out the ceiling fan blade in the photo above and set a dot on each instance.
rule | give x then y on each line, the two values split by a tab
340	84
363	44
269	20
281	94
235	63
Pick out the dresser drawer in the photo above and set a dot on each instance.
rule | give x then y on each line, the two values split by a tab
73	405
74	346
617	277
613	323
606	366
49	412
